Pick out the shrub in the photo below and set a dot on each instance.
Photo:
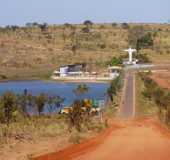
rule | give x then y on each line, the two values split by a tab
88	23
40	102
160	96
75	116
125	26
81	89
139	37
115	61
144	42
75	137
85	30
114	24
8	107
143	58
115	86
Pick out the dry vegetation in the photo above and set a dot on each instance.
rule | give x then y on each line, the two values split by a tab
34	136
30	52
153	96
162	78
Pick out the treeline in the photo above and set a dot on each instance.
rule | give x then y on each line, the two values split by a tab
19	107
115	87
138	36
25	105
118	61
80	112
159	95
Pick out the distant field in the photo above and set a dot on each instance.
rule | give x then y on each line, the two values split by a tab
30	52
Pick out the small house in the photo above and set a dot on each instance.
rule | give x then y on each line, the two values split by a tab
71	70
114	71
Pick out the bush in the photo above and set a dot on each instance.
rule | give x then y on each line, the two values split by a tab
160	96
125	26
115	61
8	107
85	30
88	23
3	76
139	37
115	86
40	102
144	42
102	45
143	58
75	116
114	24
75	137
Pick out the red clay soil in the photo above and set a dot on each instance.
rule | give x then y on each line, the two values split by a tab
144	139
163	79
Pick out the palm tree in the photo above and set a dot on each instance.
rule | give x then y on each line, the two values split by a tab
81	89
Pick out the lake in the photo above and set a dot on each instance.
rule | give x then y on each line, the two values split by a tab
65	90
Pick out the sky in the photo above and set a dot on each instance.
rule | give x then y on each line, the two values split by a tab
19	12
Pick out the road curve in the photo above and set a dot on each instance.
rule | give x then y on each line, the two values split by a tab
134	140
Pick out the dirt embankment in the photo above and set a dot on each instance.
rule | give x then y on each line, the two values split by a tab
135	139
162	78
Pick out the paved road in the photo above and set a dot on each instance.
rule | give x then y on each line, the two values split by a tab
128	102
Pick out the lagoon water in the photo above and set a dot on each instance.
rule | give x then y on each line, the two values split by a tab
65	90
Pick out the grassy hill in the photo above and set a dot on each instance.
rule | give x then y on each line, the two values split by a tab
35	51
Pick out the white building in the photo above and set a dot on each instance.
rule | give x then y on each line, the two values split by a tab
114	71
71	70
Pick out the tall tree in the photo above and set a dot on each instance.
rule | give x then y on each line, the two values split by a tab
40	102
8	106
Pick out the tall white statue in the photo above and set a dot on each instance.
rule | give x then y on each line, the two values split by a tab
130	51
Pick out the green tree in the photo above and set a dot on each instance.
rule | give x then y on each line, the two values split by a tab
114	24
115	86
116	61
81	89
125	25
143	58
8	107
88	23
74	49
144	42
54	102
85	30
43	27
75	115
23	102
135	33
40	102
139	37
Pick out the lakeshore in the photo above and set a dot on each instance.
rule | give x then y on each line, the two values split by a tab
55	88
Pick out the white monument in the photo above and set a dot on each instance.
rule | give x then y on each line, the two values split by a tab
130	51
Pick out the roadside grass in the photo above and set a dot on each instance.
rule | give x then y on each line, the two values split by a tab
34	129
111	109
144	106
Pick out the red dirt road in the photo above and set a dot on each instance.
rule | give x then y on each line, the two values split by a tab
142	139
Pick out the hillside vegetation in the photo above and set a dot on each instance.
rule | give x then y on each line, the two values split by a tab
37	49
